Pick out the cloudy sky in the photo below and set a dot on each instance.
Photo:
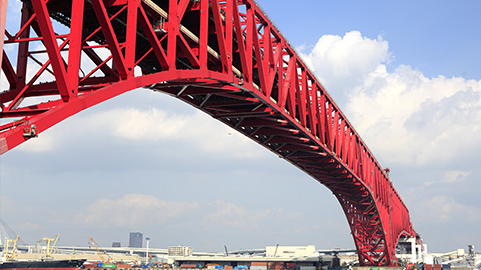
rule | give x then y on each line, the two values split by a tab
406	73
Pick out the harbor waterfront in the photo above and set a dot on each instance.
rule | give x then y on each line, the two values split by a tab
270	258
46	255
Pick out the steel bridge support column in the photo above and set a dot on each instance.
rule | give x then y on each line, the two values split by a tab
413	249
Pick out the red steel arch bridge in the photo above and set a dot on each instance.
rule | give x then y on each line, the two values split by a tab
224	57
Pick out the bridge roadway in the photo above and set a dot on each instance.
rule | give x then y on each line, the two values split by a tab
224	57
137	255
158	251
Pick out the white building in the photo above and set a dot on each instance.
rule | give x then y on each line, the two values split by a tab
291	251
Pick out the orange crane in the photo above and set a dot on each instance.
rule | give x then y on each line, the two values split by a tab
100	253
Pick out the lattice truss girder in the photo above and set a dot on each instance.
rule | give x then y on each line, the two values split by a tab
227	59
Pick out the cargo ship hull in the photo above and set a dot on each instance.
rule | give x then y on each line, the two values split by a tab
42	265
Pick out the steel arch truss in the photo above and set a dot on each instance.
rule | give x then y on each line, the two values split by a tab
224	57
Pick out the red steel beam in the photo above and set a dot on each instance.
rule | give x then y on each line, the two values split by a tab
50	42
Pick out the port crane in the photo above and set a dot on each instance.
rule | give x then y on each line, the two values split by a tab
10	255
99	253
50	245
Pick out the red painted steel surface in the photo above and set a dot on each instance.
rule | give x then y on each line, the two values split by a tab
3	19
225	58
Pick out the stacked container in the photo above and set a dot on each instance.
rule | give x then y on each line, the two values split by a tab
258	266
276	265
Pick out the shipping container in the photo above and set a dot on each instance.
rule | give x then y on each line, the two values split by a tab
258	267
123	265
276	265
190	265
89	265
308	268
290	264
258	263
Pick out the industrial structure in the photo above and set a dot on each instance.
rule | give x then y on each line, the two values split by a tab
270	257
224	57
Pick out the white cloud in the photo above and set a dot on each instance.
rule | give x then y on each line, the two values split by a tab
455	176
154	125
8	206
428	125
235	216
14	9
446	209
419	119
132	209
27	226
3	81
46	143
402	115
303	228
343	62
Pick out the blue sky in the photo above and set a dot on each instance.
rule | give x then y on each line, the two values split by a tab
437	37
407	75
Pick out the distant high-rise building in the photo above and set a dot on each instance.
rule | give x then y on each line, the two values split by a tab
116	244
135	240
